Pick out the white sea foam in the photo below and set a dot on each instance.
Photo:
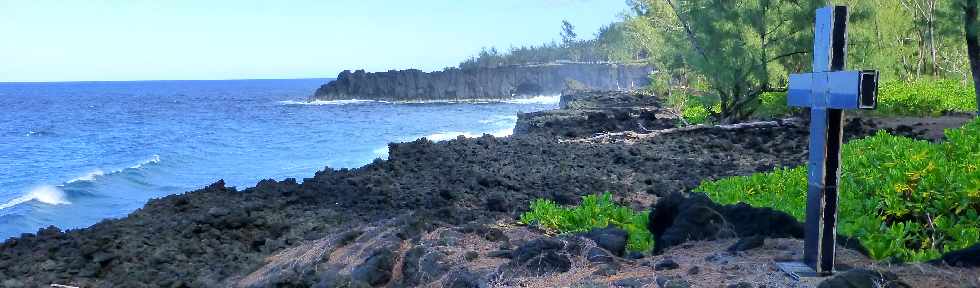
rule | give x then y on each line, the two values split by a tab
90	176
503	132
46	194
329	102
152	160
53	195
381	152
443	136
543	99
509	119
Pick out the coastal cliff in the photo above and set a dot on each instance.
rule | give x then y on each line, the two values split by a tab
489	83
442	214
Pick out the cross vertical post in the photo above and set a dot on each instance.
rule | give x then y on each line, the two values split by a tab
826	128
827	92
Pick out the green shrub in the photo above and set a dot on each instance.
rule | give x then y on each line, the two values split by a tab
696	114
904	199
919	98
925	97
595	211
773	104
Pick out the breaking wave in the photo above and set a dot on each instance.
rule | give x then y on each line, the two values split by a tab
46	194
55	195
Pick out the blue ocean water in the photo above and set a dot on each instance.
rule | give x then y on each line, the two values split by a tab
74	153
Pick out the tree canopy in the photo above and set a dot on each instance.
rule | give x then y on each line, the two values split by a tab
731	51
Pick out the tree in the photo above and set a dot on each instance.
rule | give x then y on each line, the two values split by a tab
740	47
567	33
969	8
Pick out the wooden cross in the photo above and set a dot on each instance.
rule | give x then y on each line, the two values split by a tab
827	92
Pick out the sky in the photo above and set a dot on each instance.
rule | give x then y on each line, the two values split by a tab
74	40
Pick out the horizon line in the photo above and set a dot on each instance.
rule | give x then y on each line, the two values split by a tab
162	80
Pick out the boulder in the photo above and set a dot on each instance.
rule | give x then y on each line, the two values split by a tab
666	264
747	243
423	265
463	279
672	282
538	257
863	278
679	217
376	269
610	238
966	257
599	255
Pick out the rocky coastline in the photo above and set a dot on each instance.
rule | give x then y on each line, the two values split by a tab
504	82
442	214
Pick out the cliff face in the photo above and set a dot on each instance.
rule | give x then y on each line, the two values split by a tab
491	83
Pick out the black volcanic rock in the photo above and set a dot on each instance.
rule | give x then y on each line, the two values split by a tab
376	269
486	83
610	238
679	218
539	257
584	113
212	236
863	278
966	257
422	265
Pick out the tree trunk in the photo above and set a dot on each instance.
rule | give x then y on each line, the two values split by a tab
931	18
972	44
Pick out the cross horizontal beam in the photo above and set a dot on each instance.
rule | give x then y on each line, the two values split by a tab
834	90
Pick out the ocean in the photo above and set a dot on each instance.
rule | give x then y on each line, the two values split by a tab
73	153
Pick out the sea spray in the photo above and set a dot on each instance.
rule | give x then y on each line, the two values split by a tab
46	194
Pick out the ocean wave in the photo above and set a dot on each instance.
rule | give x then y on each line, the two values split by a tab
46	194
55	195
90	176
152	160
97	173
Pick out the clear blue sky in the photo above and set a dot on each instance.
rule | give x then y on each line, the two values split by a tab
46	40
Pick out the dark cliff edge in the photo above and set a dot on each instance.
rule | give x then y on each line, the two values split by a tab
490	83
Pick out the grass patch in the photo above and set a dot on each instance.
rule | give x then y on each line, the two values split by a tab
595	211
904	199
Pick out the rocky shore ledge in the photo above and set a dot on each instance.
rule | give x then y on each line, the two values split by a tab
443	215
481	84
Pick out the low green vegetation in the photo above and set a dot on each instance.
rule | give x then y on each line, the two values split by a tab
595	211
904	199
918	98
926	98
